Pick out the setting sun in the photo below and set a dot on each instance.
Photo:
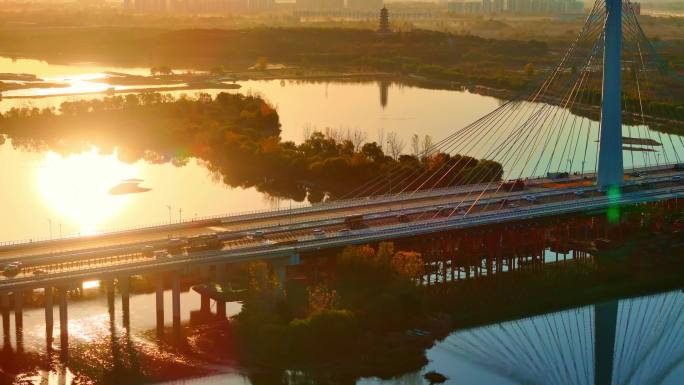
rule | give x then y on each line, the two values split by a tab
77	187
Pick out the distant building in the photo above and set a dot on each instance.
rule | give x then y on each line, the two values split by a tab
384	21
200	6
364	5
558	7
320	5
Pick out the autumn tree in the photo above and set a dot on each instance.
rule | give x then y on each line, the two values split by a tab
321	297
408	264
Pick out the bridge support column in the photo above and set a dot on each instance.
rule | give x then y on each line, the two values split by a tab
49	313
63	316
221	273
125	301
111	297
205	304
175	304
280	267
205	273
160	302
605	324
610	165
19	319
18	311
5	308
220	278
221	310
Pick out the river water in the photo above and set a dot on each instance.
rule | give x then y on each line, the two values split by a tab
55	194
49	194
556	348
60	191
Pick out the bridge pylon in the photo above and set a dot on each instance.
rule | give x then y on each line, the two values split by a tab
610	165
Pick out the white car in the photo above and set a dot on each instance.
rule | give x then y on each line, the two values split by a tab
11	270
162	254
319	233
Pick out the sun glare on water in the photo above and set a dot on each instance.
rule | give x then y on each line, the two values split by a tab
76	187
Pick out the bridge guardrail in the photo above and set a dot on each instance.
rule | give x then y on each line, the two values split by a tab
131	247
298	225
375	234
298	209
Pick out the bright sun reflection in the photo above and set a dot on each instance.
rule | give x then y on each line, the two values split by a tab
77	187
90	285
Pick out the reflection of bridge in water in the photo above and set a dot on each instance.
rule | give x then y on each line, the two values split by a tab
631	341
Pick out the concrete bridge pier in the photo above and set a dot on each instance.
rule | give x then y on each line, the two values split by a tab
19	319
18	313
220	273
63	317
205	304
220	278
124	289
49	313
221	309
280	267
175	304
205	272
5	309
111	297
159	290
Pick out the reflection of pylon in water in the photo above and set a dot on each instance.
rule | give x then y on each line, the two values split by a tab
605	322
633	341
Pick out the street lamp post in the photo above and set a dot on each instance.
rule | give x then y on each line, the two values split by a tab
180	215
50	222
169	207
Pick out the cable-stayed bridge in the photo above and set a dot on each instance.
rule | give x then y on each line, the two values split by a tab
596	132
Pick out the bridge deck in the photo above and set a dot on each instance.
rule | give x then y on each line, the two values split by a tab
119	255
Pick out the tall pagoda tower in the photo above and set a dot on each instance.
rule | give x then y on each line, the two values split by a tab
384	21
